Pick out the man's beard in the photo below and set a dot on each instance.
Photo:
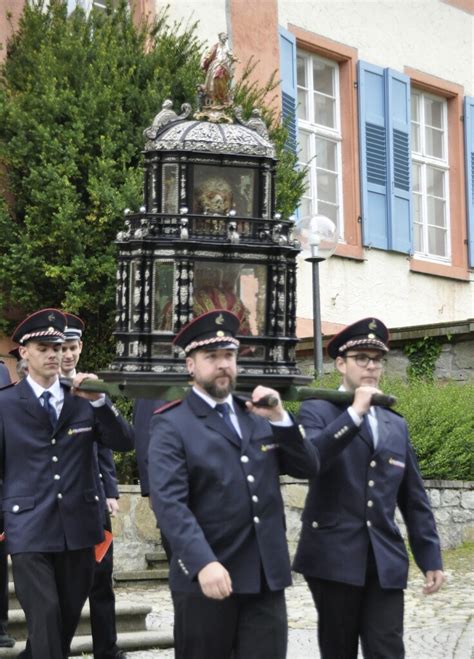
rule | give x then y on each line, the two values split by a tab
218	392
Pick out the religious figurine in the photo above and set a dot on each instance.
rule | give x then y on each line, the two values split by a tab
166	116
214	197
218	64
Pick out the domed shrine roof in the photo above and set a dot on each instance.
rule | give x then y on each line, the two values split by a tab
193	135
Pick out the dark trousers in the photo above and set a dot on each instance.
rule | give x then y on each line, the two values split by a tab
238	627
3	588
52	589
102	606
347	612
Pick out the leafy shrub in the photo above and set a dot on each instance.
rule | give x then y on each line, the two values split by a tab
440	419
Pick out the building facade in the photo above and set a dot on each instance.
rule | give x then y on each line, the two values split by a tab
379	100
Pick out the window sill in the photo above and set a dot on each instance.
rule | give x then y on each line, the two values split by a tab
355	252
439	270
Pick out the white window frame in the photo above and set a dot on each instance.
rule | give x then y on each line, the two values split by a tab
315	131
442	164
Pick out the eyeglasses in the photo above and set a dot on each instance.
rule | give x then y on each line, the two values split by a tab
363	360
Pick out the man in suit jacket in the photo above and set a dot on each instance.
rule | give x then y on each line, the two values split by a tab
6	641
101	596
214	467
50	498
351	551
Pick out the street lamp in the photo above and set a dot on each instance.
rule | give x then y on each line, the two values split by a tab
318	236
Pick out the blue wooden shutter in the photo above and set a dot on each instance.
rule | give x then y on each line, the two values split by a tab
397	86
469	155
373	155
288	84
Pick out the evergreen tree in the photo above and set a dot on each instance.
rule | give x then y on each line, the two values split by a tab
76	92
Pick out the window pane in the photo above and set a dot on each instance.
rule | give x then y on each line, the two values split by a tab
437	241
323	77
304	143
306	207
434	143
329	211
417	208
416	173
302	110
415	107
301	71
324	111
433	112
415	138
434	182
327	186
436	212
418	237
326	154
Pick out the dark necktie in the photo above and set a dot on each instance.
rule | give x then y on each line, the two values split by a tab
51	412
368	430
224	410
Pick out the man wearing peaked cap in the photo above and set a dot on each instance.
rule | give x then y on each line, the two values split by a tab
350	550
50	501
214	467
101	596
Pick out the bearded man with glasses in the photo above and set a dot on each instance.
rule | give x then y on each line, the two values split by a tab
351	552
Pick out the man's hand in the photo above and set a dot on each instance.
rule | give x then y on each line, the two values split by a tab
113	506
433	581
215	581
362	397
88	395
274	413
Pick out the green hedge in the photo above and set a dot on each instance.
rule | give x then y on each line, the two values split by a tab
440	418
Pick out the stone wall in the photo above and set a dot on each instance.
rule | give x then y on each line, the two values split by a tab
136	534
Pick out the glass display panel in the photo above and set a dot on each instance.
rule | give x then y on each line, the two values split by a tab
218	190
162	350
163	279
169	193
237	288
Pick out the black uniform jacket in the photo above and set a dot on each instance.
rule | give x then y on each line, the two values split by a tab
51	500
352	501
218	499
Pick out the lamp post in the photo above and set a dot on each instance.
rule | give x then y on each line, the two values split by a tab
319	238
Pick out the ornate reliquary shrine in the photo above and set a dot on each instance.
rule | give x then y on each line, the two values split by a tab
207	237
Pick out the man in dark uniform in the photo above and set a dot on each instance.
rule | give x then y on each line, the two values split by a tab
214	467
350	550
50	498
6	641
101	596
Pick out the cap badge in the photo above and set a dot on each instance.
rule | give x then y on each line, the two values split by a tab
219	333
220	319
372	325
51	317
371	336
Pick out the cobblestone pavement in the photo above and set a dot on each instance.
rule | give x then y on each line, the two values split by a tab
436	627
